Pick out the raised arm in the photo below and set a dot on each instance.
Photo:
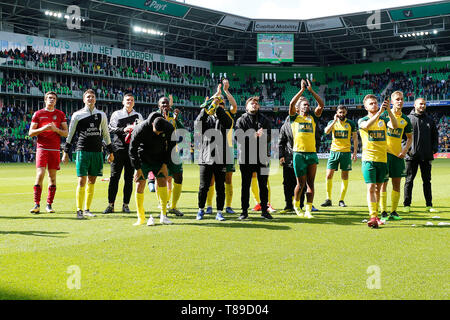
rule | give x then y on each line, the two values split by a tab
320	103
294	100
330	125
393	124
366	124
233	104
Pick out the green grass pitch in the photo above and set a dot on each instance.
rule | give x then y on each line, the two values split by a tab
330	257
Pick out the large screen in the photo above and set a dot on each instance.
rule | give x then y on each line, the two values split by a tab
275	47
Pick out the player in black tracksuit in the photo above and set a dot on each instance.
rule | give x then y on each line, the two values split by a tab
257	127
285	143
421	154
213	157
120	125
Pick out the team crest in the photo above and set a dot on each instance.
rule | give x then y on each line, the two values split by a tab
402	122
380	123
54	117
346	126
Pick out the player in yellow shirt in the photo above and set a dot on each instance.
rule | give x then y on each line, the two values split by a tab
395	156
373	131
175	170
230	167
343	130
303	124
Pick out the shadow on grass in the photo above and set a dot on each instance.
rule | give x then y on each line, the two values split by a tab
249	224
37	233
12	295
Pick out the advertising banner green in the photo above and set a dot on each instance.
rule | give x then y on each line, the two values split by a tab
429	10
159	6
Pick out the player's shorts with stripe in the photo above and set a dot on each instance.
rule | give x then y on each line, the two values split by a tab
48	158
154	167
374	172
340	159
302	160
395	166
89	163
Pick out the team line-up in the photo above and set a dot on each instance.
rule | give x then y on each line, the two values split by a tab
140	147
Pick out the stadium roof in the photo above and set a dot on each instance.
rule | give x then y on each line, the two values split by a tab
204	34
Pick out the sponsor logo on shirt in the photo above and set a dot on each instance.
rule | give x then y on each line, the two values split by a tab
377	135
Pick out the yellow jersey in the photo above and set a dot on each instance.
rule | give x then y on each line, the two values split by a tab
304	132
394	136
374	145
342	135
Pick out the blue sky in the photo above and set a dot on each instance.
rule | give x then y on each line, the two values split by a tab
298	9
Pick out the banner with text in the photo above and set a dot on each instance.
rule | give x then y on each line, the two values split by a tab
13	40
158	6
235	23
276	26
324	24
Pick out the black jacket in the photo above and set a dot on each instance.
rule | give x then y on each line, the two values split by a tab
255	122
120	119
425	137
210	148
286	142
146	146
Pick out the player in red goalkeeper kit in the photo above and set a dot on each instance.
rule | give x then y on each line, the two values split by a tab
49	125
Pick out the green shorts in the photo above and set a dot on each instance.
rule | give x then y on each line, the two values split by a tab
374	172
395	166
302	160
230	167
89	163
340	159
154	167
173	168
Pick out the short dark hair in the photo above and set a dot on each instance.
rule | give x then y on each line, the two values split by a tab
161	124
342	107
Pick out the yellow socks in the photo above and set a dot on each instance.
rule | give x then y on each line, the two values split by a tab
373	210
329	188
383	201
163	195
228	194
140	208
157	194
176	194
89	195
255	189
395	196
80	194
344	187
209	196
297	203
169	194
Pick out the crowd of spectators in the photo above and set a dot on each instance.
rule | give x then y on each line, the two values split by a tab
105	65
15	144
